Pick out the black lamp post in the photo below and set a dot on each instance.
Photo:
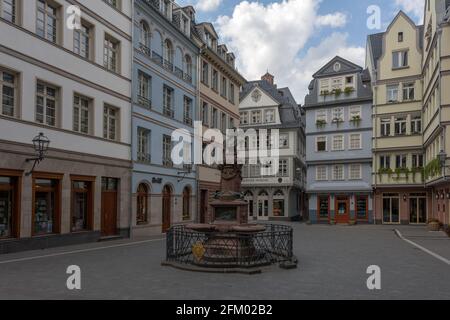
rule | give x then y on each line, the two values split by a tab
40	144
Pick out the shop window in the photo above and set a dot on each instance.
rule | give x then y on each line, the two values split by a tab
82	206
46	213
9	206
142	204
362	207
278	204
323	207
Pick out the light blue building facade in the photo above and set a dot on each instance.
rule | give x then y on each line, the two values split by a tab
339	144
164	99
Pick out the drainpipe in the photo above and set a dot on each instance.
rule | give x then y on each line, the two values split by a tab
374	159
130	205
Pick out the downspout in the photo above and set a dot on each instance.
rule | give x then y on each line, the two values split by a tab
199	117
130	206
374	159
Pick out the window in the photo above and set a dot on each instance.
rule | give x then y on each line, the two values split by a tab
278	204
46	20
8	10
9	208
362	207
354	113
400	126
143	145
417	161
244	118
185	25
338	114
408	91
338	143
338	172
400	161
46	214
325	85
416	125
46	102
189	67
283	169
400	37
214	120
232	98
256	116
82	209
168	102
205	73
144	35
399	59
215	80
168	53
323	204
349	81
187	110
223	121
82	41
284	140
321	116
8	93
321	144
392	93
144	81
385	127
321	173
355	141
205	114
81	114
391	208
336	83
269	116
114	3
166	8
223	91
167	151
231	123
385	162
111	53
355	172
110	123
186	203
142	204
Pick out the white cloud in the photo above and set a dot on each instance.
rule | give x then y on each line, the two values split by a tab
415	7
208	5
274	36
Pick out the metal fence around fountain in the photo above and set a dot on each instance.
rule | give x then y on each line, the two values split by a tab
225	250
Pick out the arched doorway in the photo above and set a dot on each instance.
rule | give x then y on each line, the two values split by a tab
142	204
263	206
278	204
166	208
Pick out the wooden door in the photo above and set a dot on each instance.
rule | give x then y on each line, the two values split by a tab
109	213
342	210
166	209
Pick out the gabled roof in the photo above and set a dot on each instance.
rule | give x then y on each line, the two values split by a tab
211	28
346	67
401	14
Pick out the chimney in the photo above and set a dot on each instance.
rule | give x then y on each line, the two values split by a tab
269	78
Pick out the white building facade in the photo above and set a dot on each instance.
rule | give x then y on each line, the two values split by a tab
74	86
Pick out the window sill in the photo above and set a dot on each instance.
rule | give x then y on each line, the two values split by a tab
400	68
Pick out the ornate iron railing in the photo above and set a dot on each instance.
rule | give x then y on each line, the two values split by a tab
230	250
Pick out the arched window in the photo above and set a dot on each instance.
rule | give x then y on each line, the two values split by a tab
187	203
188	65
278	204
144	34
168	54
142	204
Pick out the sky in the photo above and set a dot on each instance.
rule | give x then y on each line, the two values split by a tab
292	39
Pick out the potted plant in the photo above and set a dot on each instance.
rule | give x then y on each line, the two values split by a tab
321	123
355	120
387	171
337	121
324	93
348	90
337	92
434	225
400	171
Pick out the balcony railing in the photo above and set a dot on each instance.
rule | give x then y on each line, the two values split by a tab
156	58
145	50
144	157
178	72
168	112
168	65
144	102
187	78
188	121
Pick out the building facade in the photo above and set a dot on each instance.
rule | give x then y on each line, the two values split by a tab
74	86
274	196
436	106
394	60
339	144
219	88
165	86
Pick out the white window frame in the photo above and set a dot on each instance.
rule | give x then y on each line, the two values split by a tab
111	53
338	113
78	110
143	145
82	41
321	175
326	143
334	140
341	169
322	115
408	91
390	90
267	115
387	125
47	16
401	59
359	147
11	4
354	111
12	86
350	171
258	115
107	118
45	108
244	118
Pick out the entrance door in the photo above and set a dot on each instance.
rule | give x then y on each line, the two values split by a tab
166	208
203	205
263	206
391	209
109	206
418	209
342	210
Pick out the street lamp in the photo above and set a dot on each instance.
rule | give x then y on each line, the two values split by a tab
40	144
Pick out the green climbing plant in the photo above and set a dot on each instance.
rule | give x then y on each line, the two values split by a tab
432	169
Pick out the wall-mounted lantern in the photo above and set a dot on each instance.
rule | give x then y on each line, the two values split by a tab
41	144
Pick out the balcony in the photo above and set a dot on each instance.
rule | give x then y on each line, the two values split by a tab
144	102
168	65
145	50
144	158
156	58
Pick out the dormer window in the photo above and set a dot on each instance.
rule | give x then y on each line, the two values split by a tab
185	25
208	39
166	9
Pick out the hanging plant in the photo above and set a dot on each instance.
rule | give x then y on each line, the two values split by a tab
415	171
348	90
324	93
387	171
355	120
402	171
337	92
321	123
433	168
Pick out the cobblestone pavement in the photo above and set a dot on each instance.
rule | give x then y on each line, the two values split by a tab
332	265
